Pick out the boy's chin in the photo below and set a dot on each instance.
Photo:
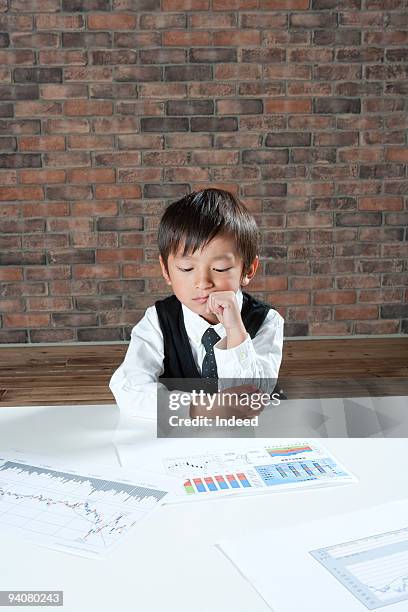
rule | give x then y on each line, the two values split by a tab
211	320
201	309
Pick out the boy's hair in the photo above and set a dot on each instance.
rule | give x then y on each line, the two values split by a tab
196	219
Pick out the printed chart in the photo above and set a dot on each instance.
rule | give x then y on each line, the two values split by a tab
373	569
255	469
80	513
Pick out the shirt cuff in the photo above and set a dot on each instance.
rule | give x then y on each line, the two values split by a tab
237	361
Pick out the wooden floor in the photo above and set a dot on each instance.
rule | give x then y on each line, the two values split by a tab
79	374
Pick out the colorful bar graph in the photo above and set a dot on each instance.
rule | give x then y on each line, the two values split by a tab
210	483
307	469
199	485
243	480
294	470
188	487
221	482
282	472
319	467
233	483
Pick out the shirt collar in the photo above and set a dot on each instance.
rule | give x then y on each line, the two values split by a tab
196	325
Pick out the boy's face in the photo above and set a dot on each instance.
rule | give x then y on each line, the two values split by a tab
215	267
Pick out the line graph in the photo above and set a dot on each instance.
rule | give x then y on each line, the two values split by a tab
66	509
374	569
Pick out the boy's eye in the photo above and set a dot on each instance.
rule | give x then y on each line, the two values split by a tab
215	269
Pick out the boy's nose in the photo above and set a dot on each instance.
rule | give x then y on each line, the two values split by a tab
203	281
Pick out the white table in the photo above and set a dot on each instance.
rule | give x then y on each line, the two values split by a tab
169	561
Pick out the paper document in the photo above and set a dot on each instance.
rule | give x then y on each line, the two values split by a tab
84	513
258	468
352	562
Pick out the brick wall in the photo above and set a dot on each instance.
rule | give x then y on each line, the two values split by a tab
109	109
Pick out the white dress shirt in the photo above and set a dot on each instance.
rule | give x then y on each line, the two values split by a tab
134	383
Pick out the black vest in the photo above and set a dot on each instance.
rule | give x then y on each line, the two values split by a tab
178	358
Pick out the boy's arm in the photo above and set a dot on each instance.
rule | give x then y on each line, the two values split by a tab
134	383
259	357
242	361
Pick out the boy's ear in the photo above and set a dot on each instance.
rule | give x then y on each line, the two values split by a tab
250	273
164	271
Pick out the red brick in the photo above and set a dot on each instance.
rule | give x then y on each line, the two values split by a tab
377	327
52	335
88	107
37	109
35	5
22	57
310	189
288	106
234	72
141	270
335	297
90	142
42	176
67	160
26	320
91	175
399	154
356	312
311	282
358	281
117	191
8	177
284	5
186	39
59	22
11	274
21	193
381	203
59	57
94	208
11	305
112	21
186	174
47	272
42	143
119	255
380	296
309	220
60	92
48	303
330	328
66	126
116	125
96	271
44	209
88	73
289	298
185	5
69	225
237	37
139	175
269	283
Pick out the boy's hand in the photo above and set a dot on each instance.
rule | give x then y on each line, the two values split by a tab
227	404
225	306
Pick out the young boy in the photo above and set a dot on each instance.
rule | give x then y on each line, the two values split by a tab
209	328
